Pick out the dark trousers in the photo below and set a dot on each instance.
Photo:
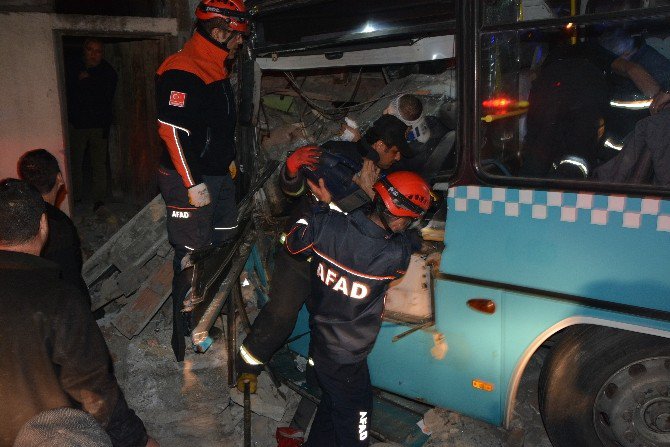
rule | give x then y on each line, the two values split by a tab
289	289
95	142
343	416
190	228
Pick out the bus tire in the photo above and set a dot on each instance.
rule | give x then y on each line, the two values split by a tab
609	387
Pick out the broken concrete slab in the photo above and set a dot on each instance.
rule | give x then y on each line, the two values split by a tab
150	297
267	401
133	245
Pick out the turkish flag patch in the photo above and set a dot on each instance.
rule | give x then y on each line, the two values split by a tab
177	99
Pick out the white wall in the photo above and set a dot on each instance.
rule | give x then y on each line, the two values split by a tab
30	95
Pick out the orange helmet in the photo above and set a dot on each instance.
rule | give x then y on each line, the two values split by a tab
404	193
233	11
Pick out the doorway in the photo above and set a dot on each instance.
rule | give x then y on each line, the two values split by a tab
133	143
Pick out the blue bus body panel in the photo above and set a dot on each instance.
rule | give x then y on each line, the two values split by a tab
609	248
613	248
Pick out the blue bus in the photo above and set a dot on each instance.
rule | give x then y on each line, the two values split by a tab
555	225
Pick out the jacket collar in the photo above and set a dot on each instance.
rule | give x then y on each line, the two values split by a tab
11	260
368	227
202	46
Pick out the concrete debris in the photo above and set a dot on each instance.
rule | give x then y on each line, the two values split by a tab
267	401
151	296
431	420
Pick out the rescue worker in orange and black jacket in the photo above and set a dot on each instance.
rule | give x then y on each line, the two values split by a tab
196	121
355	257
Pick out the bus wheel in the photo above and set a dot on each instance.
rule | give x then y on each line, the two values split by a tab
609	387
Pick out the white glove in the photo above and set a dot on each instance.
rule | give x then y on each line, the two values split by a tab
198	195
350	131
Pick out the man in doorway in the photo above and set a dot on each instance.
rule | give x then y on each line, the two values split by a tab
196	121
91	83
53	352
40	169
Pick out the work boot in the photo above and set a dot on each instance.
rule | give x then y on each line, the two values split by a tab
253	382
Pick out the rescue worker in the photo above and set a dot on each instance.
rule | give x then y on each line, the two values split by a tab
355	257
196	121
349	176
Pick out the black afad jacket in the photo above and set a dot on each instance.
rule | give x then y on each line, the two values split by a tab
353	262
196	111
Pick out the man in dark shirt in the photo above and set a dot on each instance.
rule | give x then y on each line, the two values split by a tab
53	353
40	169
355	257
91	83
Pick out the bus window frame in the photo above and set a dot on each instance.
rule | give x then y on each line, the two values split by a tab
468	51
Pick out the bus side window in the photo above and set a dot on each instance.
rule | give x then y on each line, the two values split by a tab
589	87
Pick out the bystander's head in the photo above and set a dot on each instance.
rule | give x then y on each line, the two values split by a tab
40	169
93	52
62	427
23	222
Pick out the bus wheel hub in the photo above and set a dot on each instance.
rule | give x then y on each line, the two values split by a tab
633	406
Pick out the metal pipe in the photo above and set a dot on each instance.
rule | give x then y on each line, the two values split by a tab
232	341
412	330
247	414
236	295
201	331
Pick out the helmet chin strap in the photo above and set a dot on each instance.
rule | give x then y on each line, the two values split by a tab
224	46
380	209
231	36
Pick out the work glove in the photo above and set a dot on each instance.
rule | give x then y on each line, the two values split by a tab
198	195
251	378
303	156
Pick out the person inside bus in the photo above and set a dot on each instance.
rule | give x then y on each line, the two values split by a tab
637	72
424	135
569	102
567	106
645	155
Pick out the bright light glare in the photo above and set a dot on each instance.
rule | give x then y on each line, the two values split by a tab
369	28
635	105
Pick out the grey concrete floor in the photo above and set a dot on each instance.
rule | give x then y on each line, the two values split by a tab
189	403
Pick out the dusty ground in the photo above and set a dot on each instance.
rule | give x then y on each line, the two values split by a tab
189	404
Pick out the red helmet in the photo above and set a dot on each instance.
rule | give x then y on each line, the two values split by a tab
233	11
404	193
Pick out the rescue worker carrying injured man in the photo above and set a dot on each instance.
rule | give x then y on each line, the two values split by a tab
196	121
355	257
349	170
